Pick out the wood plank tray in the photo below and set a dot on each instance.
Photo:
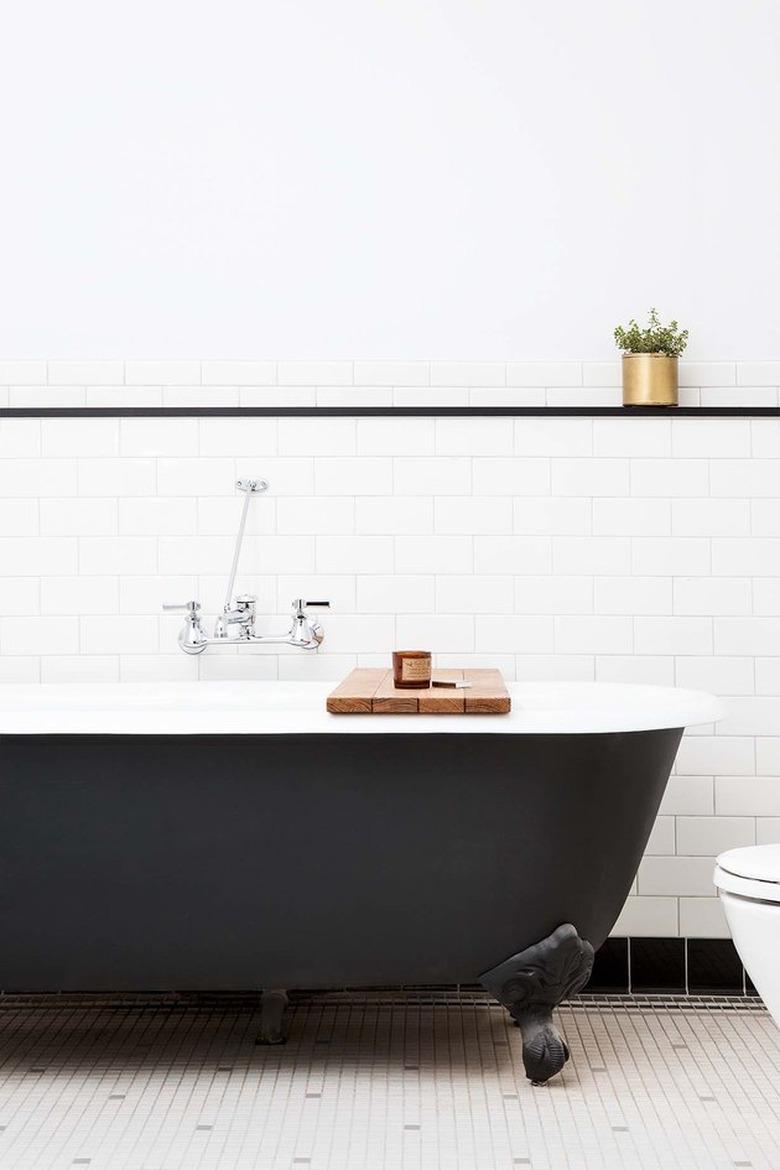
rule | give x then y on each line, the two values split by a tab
370	691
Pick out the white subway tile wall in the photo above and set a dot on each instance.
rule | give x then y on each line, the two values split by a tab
386	383
627	549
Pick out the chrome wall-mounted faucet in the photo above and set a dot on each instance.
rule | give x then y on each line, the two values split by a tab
240	613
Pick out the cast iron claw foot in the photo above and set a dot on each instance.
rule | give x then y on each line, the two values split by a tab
531	984
273	1004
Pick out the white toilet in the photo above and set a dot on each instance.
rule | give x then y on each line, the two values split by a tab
748	882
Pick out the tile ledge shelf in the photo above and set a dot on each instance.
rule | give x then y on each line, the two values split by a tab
390	412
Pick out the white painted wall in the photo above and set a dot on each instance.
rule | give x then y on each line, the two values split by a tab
423	178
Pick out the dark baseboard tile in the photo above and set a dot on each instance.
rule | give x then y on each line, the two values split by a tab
610	968
671	966
658	965
714	967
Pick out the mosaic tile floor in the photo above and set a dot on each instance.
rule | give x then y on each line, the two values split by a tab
384	1081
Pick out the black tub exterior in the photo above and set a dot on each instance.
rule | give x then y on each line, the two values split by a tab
227	862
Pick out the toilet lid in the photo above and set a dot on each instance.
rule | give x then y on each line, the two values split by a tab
753	872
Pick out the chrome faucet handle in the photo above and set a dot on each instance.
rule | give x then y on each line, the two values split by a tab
299	605
306	632
192	638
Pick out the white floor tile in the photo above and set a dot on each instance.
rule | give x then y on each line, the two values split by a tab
386	1081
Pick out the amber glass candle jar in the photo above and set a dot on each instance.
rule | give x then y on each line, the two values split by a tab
412	668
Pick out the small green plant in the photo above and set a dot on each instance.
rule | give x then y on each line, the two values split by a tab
656	338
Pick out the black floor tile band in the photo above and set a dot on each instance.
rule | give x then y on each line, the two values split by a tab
699	966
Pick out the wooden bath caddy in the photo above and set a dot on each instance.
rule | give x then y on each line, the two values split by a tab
370	691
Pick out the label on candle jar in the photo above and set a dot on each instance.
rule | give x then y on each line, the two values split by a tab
416	669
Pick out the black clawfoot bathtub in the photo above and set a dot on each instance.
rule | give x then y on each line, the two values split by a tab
234	836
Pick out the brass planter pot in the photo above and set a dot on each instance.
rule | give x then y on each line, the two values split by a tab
649	379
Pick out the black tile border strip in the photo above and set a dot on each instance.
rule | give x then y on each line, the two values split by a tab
668	966
389	412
